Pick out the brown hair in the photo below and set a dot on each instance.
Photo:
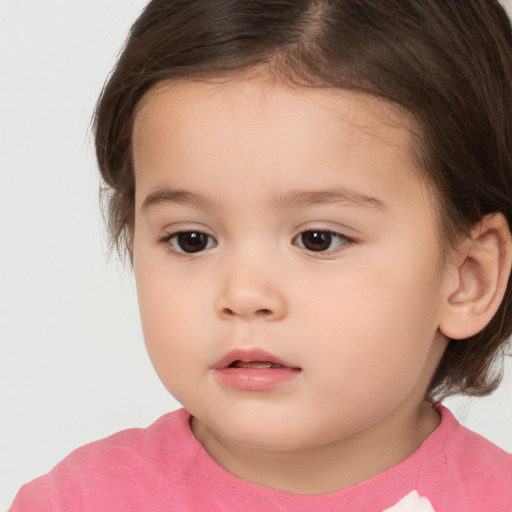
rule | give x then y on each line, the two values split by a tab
448	63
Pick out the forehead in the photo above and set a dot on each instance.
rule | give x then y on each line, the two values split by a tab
184	102
281	133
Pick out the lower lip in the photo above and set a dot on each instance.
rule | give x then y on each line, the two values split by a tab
256	379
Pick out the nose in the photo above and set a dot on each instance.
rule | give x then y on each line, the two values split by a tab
249	292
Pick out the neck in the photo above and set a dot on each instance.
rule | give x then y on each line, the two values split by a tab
329	467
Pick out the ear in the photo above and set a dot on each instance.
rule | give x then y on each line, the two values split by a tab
479	273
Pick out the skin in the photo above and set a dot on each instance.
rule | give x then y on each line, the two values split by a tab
361	319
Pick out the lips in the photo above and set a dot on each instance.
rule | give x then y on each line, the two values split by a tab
254	370
253	358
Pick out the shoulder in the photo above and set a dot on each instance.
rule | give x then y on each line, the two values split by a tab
467	468
473	453
111	469
132	449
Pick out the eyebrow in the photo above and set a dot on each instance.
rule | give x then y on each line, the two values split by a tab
303	198
286	200
165	195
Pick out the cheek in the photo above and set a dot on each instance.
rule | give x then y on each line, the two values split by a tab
373	326
167	292
171	317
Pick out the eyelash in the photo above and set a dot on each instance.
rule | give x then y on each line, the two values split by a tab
167	239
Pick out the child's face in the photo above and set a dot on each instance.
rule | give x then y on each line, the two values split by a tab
306	236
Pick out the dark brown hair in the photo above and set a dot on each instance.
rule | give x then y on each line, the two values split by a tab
448	63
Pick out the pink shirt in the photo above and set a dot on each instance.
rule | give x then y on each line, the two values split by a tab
163	468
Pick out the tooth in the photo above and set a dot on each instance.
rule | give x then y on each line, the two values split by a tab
257	364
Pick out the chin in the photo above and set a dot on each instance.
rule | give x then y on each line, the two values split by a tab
267	435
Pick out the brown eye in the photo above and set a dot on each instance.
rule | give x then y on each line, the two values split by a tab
191	241
320	241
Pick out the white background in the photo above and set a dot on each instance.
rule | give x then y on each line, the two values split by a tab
73	366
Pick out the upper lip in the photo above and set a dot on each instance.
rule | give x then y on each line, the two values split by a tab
250	355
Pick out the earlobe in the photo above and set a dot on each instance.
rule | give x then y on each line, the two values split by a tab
482	266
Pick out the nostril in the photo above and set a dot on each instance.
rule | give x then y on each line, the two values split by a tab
259	312
263	312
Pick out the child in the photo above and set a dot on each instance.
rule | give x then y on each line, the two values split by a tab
316	197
